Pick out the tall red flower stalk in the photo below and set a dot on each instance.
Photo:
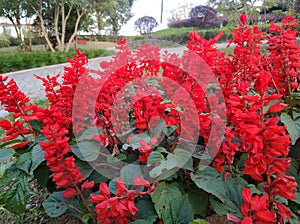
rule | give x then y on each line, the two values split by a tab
14	101
118	208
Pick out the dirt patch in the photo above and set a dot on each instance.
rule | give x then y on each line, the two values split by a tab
215	219
65	219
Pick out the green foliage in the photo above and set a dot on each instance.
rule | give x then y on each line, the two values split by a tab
112	14
15	185
55	205
171	205
4	43
293	126
6	153
11	63
182	35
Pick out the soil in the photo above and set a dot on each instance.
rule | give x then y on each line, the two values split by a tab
65	219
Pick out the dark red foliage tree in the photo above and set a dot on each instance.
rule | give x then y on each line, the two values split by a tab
145	24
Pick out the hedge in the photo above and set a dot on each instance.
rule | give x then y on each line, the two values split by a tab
26	60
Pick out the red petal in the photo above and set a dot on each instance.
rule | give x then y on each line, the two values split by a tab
87	185
69	193
104	188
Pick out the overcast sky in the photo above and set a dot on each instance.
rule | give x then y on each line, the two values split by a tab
142	8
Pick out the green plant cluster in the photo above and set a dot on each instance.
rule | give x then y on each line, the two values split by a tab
27	60
4	43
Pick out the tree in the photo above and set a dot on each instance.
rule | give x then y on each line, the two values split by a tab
14	11
203	12
145	24
112	14
62	12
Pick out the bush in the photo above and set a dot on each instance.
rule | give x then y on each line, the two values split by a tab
26	60
4	43
35	41
104	38
200	23
182	35
14	41
214	133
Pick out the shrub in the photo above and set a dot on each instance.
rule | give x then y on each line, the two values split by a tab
4	43
199	23
14	41
182	35
26	60
166	119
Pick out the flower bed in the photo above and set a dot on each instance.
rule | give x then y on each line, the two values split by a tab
155	138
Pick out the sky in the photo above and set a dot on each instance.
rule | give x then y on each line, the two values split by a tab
142	8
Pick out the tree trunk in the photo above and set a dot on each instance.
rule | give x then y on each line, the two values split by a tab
17	26
44	31
45	34
99	21
56	30
64	20
79	16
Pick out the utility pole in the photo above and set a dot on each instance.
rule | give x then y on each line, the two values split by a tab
161	10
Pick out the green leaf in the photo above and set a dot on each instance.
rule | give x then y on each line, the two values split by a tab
218	207
97	177
85	218
88	134
158	129
182	156
186	211
37	156
168	131
128	172
135	140
199	221
10	142
87	150
14	198
84	168
210	181
6	153
42	173
155	157
165	166
55	205
199	201
293	126
297	198
24	162
146	212
36	125
170	205
233	200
